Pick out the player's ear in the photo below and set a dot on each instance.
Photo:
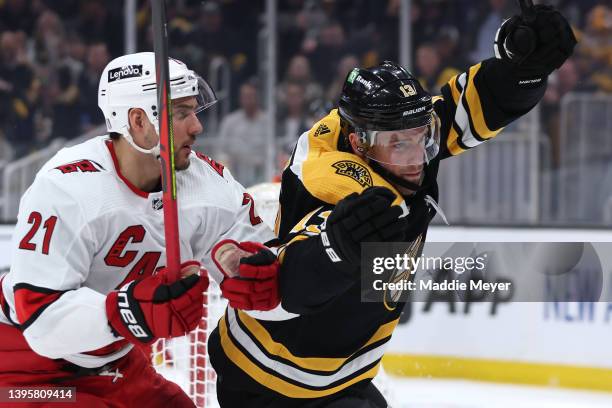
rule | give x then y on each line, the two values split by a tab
138	120
355	145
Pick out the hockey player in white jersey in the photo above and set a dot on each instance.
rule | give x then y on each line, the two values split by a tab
87	284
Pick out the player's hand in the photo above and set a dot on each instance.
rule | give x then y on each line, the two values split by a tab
366	217
537	42
251	274
151	308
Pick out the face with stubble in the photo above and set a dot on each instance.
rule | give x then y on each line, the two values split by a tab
186	126
401	152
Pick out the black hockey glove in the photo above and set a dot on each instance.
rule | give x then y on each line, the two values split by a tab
365	217
537	42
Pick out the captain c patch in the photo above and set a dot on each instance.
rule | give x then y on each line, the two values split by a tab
355	171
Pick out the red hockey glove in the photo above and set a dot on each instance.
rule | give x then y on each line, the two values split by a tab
151	308
251	274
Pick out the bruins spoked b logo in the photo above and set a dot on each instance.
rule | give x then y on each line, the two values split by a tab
354	170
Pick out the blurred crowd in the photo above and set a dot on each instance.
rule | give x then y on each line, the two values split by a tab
51	56
53	51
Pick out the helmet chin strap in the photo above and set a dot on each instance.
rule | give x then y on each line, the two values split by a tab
155	151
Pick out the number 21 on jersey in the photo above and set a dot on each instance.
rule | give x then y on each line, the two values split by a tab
36	219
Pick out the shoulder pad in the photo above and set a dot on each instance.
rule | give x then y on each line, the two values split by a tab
323	136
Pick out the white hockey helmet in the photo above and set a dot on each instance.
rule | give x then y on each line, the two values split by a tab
129	82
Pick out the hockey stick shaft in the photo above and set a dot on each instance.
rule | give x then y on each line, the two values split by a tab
166	134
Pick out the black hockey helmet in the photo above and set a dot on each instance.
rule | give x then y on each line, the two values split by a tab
389	110
384	97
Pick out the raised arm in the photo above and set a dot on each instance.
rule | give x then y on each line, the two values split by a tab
477	104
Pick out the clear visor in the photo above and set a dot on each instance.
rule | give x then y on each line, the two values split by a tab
404	147
194	85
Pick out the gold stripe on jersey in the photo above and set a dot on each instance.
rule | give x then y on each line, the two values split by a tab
475	107
276	383
309	363
277	220
452	143
304	230
303	222
454	89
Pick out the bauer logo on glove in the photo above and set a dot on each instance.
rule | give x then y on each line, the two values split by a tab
155	307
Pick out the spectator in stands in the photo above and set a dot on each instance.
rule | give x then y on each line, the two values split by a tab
65	105
74	55
45	49
212	38
291	27
427	18
562	82
243	137
48	39
312	19
330	47
298	71
239	16
99	23
211	35
447	44
347	63
16	15
97	58
19	93
293	118
69	10
430	72
595	49
499	10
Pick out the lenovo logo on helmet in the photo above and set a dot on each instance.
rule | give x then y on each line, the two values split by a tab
129	71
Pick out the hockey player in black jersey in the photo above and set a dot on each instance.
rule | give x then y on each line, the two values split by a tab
367	173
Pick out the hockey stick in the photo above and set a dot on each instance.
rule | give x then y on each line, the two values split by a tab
166	135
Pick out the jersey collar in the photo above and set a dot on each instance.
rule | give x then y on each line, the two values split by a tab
136	190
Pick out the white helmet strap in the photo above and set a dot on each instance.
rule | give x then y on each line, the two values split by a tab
155	151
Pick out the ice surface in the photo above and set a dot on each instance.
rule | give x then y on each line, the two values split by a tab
434	393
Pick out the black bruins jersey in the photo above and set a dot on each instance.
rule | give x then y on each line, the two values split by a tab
333	341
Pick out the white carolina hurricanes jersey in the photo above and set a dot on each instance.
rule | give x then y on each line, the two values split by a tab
83	230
